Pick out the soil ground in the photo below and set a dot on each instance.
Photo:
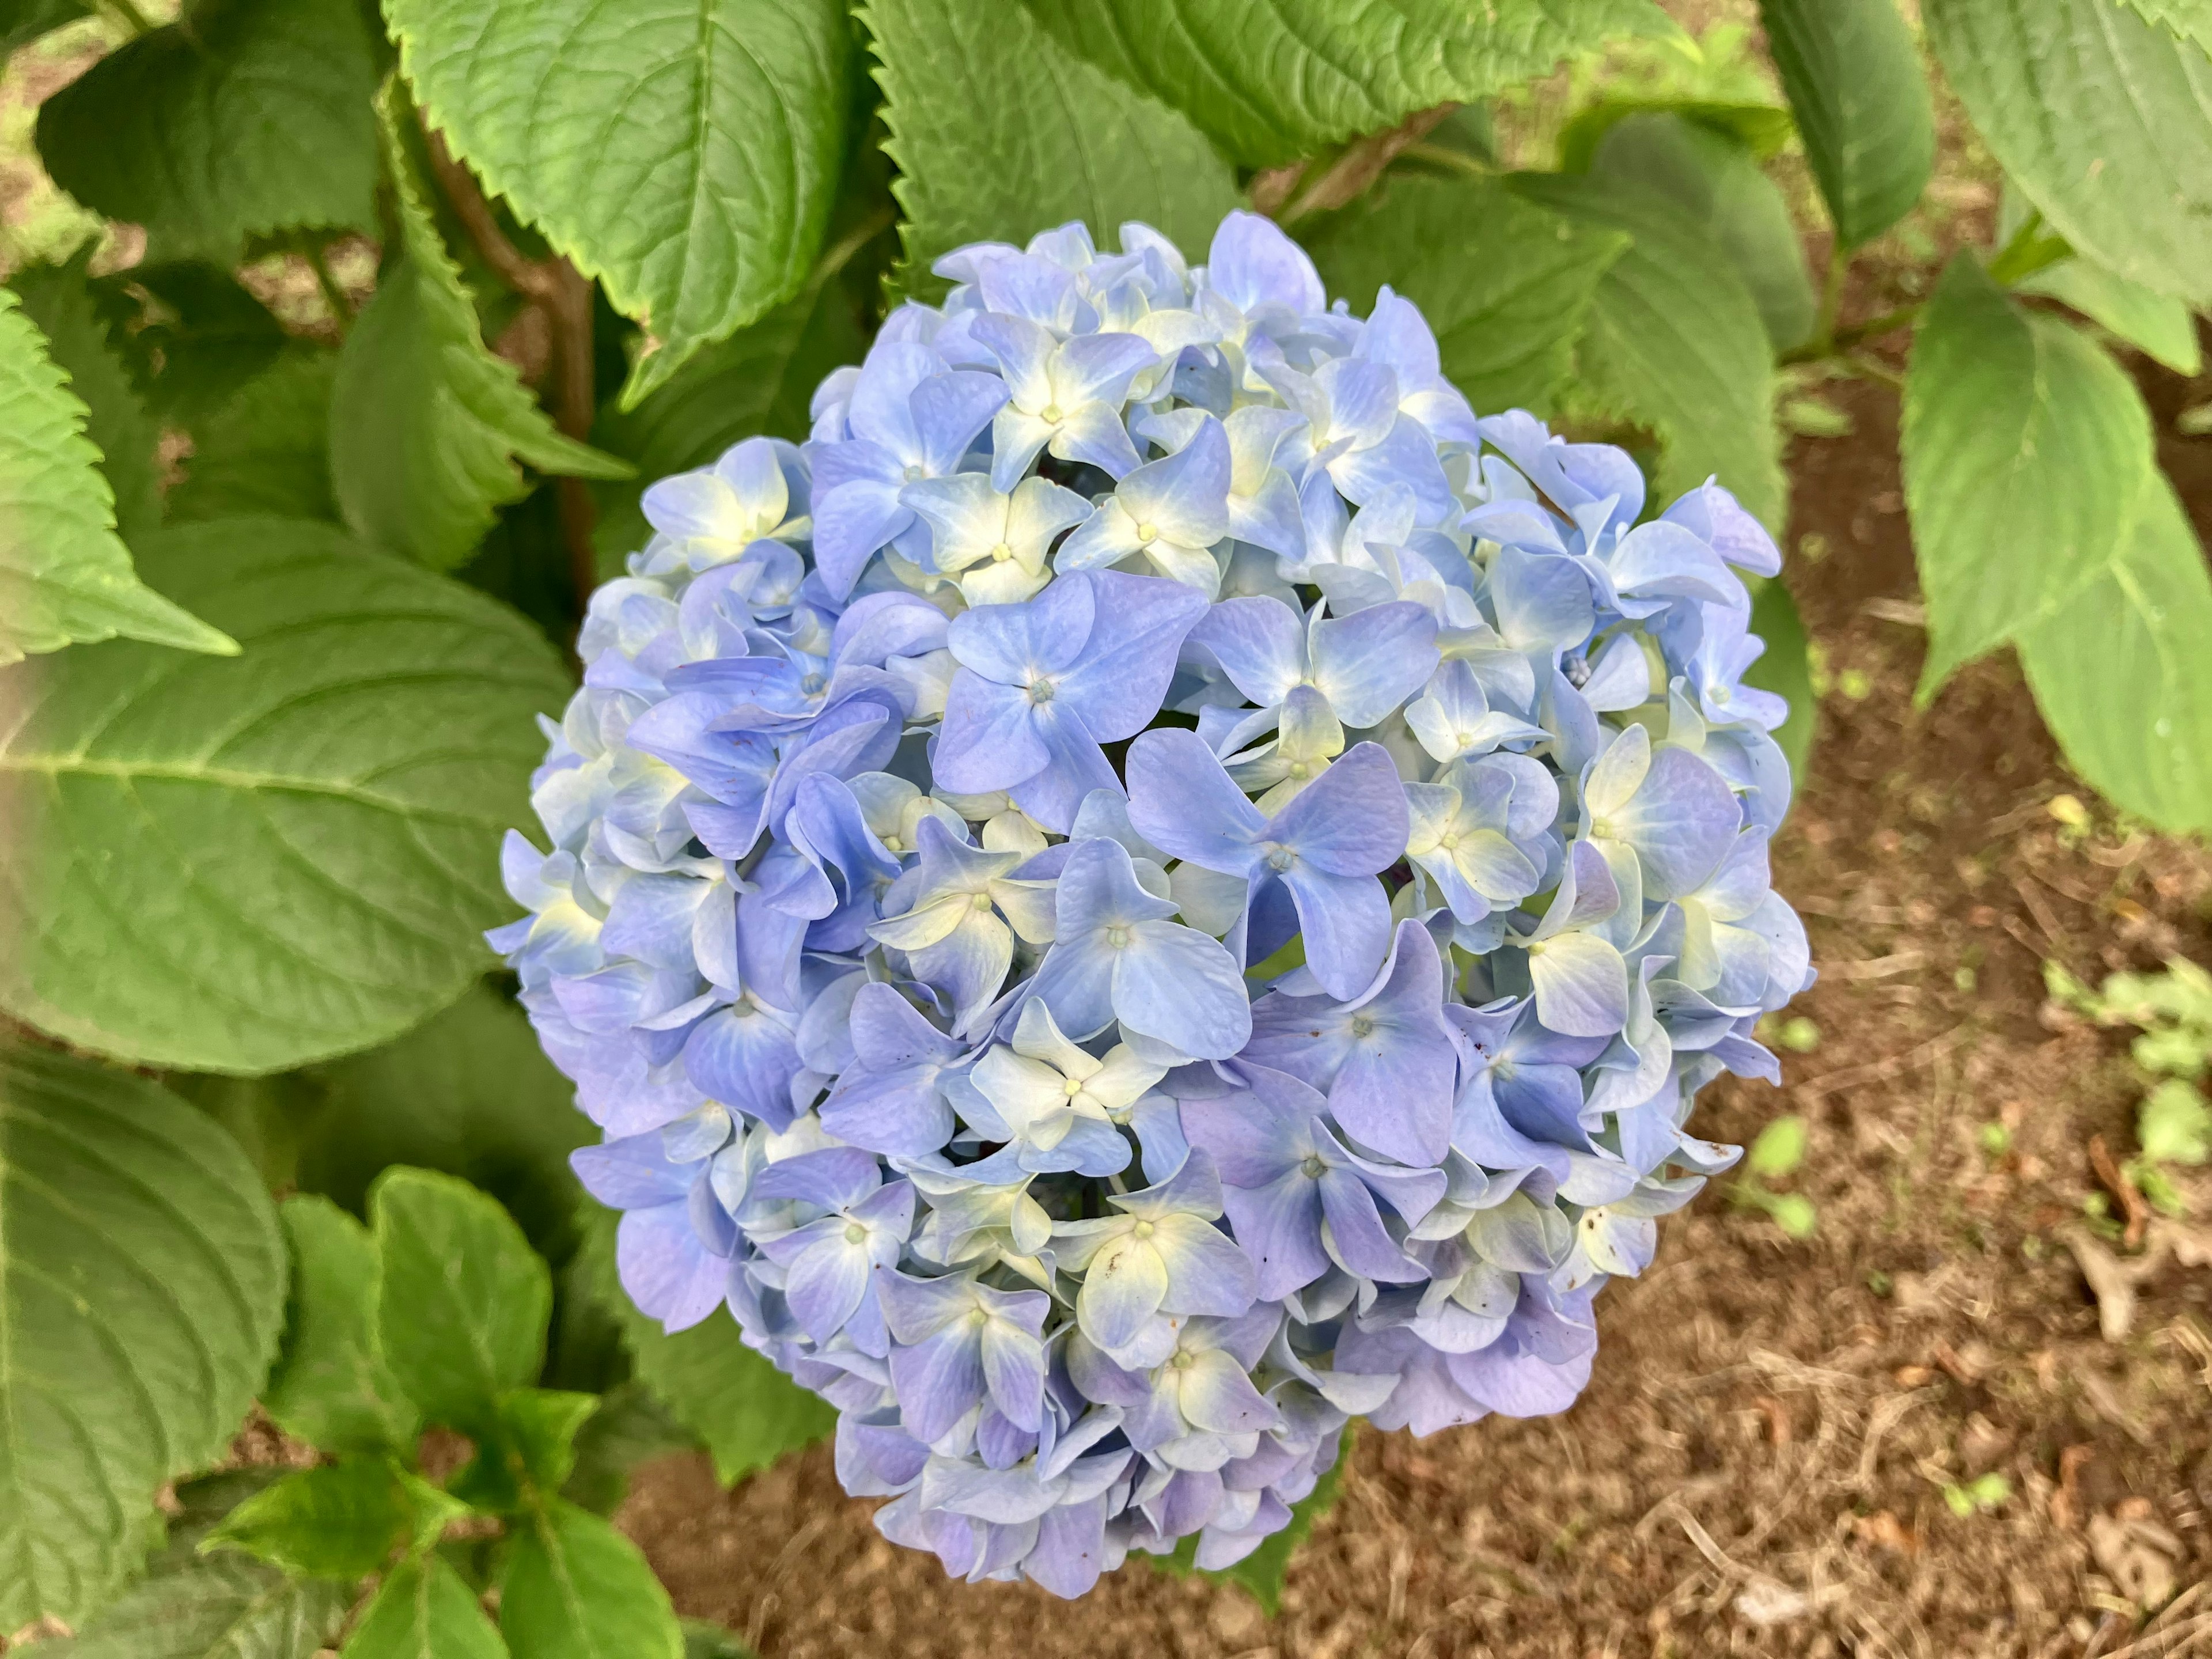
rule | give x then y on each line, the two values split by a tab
1758	1465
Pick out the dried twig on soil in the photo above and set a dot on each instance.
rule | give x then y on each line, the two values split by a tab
2117	1182
1880	1071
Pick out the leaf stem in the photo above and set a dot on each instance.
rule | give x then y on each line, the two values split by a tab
1443	155
1831	298
1361	163
341	309
130	17
563	294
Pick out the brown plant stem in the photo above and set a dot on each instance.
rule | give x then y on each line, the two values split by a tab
564	294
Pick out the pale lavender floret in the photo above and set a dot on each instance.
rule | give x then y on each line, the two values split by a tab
1042	685
1325	848
1385	1057
1283	1172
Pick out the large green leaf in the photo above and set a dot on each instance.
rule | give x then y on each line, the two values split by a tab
64	573
2024	449
576	1589
244	117
464	1300
2119	671
224	1607
1853	71
244	865
469	1092
1721	191
2189	19
758	380
1506	286
60	302
331	1386
2102	119
426	424
266	449
747	1412
686	155
2158	323
999	132
1675	343
142	1288
1271	82
423	1610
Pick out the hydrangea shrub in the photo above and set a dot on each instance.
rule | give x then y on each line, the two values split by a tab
1158	885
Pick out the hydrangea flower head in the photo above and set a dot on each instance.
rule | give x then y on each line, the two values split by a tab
1157	885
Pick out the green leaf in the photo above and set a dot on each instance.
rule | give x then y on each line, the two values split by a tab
2024	449
469	1092
60	302
760	380
2157	324
64	573
2189	19
576	1589
1779	1150
464	1301
331	1386
2102	119
304	841
142	1289
1675	343
266	449
1734	206
1762	129
2173	1125
426	424
242	118
22	22
1795	1214
2119	672
629	1427
687	157
999	132
339	1521
1852	71
194	335
748	1414
223	1607
1270	84
423	1611
1506	286
1263	1572
527	1450
1785	668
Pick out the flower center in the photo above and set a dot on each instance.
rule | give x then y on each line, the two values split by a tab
1146	533
1299	768
1314	1167
979	1319
1183	1359
1142	1230
855	1233
1602	828
1118	937
1448	840
1362	1026
1049	412
1073	1087
912	473
813	685
1279	857
982	901
1040	691
1001	553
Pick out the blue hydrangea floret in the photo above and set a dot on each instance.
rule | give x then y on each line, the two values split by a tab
1158	885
